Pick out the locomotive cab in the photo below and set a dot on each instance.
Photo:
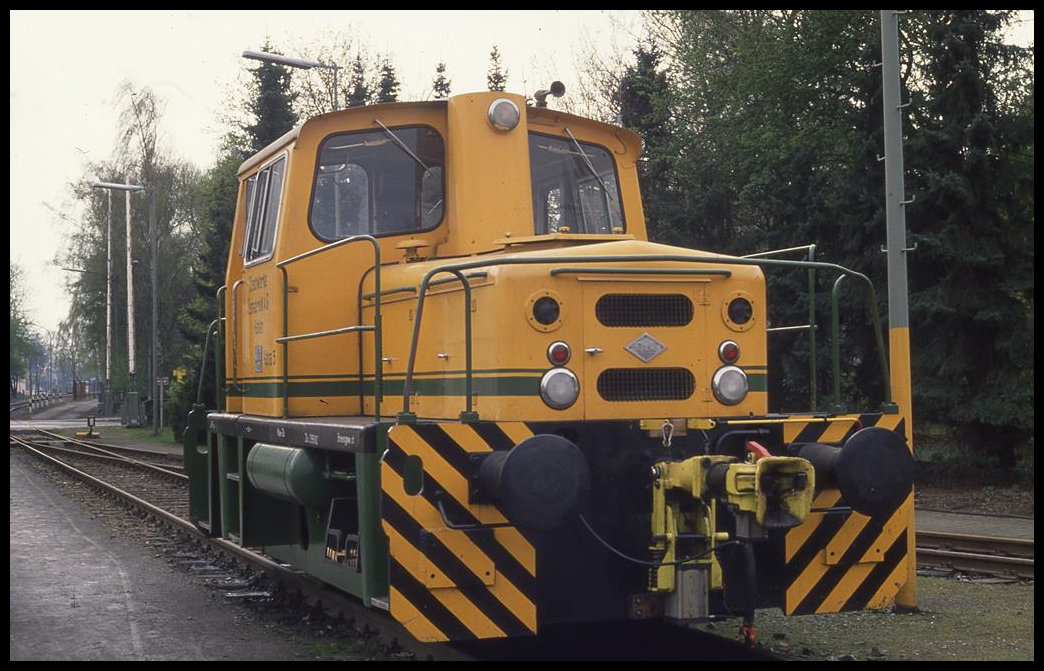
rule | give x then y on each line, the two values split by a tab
459	382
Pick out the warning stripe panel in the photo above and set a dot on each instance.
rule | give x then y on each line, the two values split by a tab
798	536
842	560
893	575
859	573
839	428
449	465
454	584
420	612
424	513
412	561
480	607
813	572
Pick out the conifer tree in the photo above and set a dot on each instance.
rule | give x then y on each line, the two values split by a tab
358	88
271	103
387	83
441	85
214	203
496	76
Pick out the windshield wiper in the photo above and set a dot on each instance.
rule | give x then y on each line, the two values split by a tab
401	144
587	162
605	187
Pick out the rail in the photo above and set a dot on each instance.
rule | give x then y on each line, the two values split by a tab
37	401
457	269
286	339
979	554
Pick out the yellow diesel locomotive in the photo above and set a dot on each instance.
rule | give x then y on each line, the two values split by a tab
459	382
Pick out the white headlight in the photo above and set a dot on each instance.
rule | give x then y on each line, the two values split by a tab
729	385
503	114
559	388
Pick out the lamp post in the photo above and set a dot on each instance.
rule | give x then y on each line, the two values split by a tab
296	63
109	188
153	372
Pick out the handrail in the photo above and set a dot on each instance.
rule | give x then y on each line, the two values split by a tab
836	344
785	329
285	341
421	293
458	268
412	289
203	364
642	271
811	326
235	335
321	334
219	351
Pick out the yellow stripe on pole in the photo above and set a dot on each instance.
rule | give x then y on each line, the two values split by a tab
902	393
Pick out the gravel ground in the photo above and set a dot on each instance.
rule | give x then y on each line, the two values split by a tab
987	499
959	619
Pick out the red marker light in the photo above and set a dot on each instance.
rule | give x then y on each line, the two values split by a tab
728	352
558	353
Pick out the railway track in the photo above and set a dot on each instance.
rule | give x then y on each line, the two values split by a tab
165	460
1006	557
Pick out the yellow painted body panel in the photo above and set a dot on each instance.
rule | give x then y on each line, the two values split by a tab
488	214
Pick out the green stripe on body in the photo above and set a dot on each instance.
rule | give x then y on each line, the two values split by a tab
483	384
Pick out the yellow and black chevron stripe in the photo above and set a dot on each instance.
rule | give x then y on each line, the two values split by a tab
838	561
839	428
453	584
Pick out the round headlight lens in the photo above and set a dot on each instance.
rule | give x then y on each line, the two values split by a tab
740	311
546	310
503	114
730	385
559	388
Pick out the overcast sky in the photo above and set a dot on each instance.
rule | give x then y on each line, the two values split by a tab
66	67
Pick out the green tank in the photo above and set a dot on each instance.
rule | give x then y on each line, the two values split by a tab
290	474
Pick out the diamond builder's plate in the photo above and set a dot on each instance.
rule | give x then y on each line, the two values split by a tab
645	347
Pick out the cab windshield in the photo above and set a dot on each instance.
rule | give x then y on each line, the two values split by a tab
574	187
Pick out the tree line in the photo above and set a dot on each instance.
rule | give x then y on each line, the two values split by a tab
762	130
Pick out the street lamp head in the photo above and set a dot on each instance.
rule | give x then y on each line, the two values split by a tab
80	270
296	63
117	187
285	60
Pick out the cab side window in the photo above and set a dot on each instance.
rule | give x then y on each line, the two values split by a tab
263	193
